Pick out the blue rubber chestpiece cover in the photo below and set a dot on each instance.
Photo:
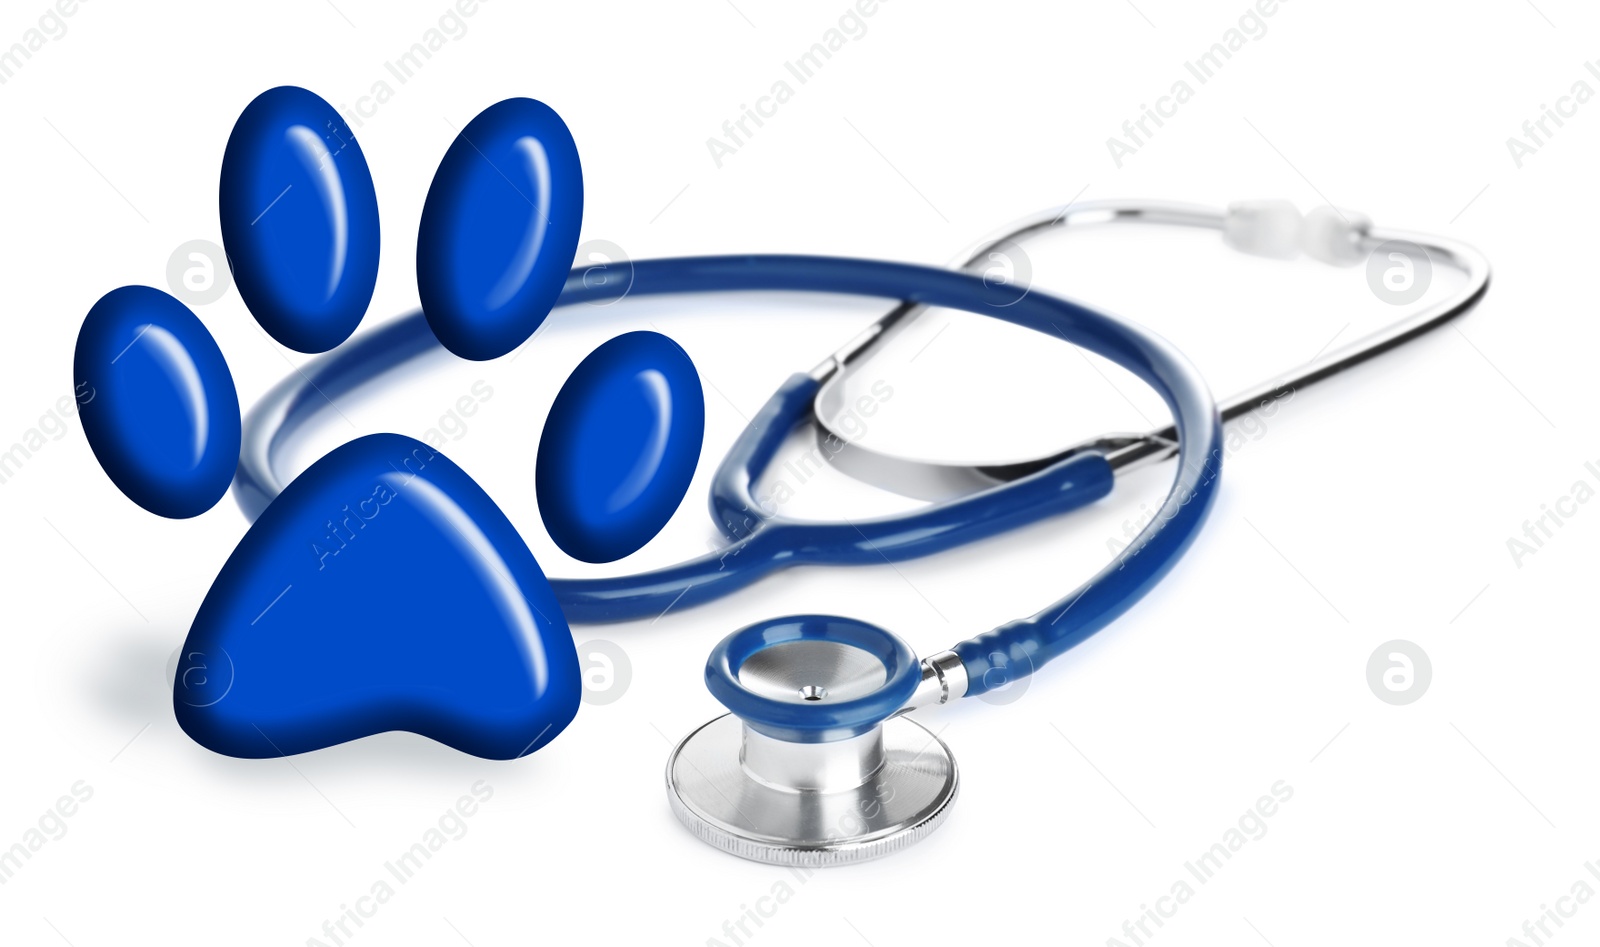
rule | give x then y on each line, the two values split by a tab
299	219
620	446
803	721
499	228
157	401
382	590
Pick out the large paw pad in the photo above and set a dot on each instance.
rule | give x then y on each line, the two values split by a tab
382	590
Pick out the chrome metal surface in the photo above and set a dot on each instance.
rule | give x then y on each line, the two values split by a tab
715	796
944	678
834	766
812	671
929	479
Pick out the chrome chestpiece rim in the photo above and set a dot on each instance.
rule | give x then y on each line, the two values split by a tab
812	767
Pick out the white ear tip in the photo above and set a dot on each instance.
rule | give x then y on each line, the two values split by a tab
1335	236
1264	228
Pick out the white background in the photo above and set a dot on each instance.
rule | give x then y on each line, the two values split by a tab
1375	507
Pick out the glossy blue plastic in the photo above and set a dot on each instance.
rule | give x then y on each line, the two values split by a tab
382	590
764	543
620	446
499	228
157	401
299	219
819	722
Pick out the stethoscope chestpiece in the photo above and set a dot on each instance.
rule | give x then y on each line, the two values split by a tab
812	767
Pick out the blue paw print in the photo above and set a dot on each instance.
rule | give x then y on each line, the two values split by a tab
383	589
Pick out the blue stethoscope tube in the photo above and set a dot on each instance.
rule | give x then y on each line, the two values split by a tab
762	542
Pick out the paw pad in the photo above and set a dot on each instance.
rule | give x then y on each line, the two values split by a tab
299	219
620	447
165	420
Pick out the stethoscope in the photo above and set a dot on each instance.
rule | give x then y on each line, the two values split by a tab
816	763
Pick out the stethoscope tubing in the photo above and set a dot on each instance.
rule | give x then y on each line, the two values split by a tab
764	542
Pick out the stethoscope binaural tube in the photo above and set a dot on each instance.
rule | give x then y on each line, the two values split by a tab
1269	228
764	542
